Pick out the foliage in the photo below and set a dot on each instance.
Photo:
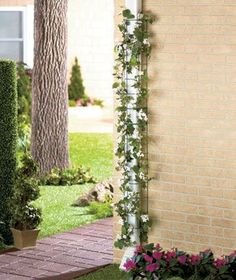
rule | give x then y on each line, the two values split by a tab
76	88
24	93
152	262
67	177
110	272
72	103
101	210
8	142
23	144
98	102
25	216
87	149
131	51
94	151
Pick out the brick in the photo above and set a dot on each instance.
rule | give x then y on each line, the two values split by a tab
192	124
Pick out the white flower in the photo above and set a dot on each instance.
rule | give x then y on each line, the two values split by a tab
140	16
136	135
142	115
141	176
140	73
140	154
124	236
146	42
130	229
144	218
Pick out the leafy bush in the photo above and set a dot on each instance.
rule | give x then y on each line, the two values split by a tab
72	103
8	142
68	177
24	93
76	88
25	216
101	210
152	262
98	102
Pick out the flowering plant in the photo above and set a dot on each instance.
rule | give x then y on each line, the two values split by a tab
152	262
131	64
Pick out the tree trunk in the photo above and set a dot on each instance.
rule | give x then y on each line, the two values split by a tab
49	139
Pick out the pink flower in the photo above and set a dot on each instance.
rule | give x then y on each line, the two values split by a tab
147	258
139	249
129	265
219	263
170	255
158	246
152	267
157	255
195	259
182	259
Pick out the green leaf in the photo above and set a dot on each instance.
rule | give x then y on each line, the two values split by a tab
115	85
127	14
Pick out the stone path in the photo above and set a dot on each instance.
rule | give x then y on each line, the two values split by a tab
62	256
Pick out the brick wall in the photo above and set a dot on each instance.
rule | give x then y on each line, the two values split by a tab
192	104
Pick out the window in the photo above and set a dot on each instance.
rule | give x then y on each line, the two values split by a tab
16	33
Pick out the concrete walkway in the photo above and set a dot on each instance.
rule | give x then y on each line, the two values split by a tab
91	119
62	256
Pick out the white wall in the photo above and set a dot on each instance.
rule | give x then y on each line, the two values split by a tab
91	40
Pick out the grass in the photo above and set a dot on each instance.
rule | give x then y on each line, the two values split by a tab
110	272
93	150
90	150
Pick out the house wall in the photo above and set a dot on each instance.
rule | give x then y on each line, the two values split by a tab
90	38
192	110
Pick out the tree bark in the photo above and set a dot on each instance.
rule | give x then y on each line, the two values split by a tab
49	138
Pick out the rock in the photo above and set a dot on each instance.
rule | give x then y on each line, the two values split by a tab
100	193
84	200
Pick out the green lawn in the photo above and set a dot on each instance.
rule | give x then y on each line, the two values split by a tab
90	150
93	150
111	272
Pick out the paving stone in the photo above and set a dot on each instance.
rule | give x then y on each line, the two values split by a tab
78	252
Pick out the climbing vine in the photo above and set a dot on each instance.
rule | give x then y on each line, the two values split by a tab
131	89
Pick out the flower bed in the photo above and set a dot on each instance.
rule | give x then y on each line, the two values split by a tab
152	262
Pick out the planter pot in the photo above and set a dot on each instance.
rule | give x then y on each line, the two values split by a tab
25	238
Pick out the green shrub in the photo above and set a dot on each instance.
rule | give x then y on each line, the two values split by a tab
24	215
24	93
101	210
68	177
72	103
176	278
98	102
76	88
8	142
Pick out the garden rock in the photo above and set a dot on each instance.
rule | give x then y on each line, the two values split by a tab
100	193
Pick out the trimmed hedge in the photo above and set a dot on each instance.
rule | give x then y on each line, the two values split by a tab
8	143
